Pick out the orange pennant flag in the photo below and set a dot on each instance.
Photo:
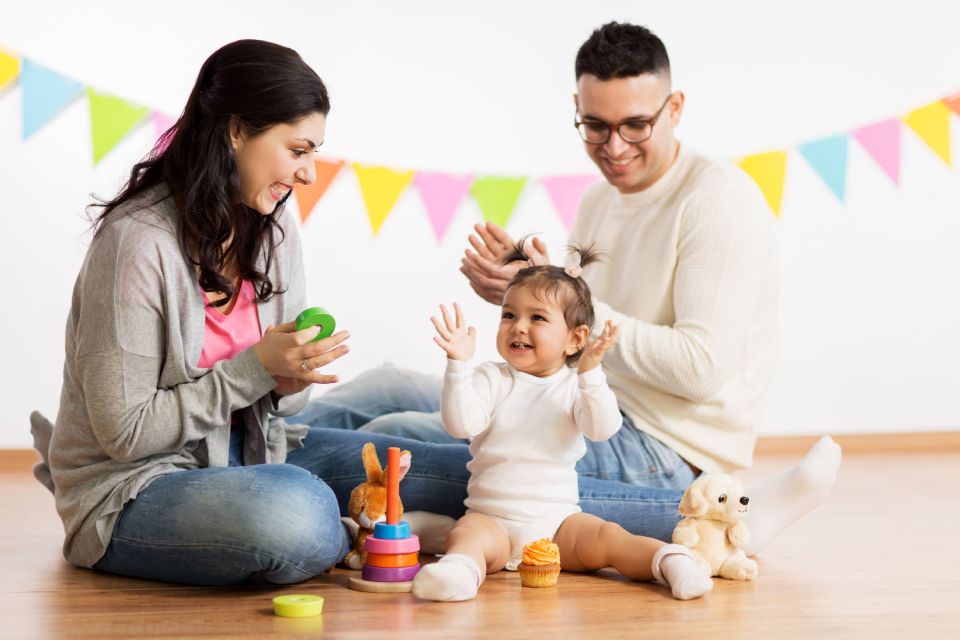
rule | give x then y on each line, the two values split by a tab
309	194
953	102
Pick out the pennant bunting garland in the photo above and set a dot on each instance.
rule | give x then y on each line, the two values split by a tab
768	171
497	197
566	192
9	68
45	93
442	194
111	119
828	157
932	124
381	188
309	194
882	141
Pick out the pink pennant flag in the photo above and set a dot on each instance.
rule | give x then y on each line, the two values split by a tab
161	123
566	193
442	194
882	142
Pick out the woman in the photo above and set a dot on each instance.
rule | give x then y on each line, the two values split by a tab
171	401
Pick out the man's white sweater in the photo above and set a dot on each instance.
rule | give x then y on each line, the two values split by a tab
691	277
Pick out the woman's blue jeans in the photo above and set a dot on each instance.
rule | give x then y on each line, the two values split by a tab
280	523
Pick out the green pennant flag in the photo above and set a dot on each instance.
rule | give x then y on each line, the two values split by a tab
111	119
497	197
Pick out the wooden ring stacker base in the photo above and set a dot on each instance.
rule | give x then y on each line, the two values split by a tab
359	584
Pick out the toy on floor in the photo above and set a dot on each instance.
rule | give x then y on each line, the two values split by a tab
714	507
386	551
298	605
316	316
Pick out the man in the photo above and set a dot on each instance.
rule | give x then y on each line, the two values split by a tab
690	278
691	269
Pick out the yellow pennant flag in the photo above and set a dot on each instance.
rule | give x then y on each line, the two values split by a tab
381	188
932	124
9	67
768	170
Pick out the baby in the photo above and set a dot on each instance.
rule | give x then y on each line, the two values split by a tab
526	419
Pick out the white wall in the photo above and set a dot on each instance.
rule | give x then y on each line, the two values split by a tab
870	300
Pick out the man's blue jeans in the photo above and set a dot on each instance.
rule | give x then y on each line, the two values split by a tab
398	402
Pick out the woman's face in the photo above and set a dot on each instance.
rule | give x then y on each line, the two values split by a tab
272	162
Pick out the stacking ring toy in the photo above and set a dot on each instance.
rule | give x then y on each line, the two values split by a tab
316	316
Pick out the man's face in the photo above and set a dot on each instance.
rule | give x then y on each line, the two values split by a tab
630	167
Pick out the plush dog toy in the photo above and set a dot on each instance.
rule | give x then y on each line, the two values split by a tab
368	501
714	507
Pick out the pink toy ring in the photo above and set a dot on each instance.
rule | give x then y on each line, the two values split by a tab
378	545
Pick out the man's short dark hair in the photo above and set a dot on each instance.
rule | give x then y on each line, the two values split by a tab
618	50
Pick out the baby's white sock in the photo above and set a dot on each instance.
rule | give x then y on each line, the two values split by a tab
675	566
778	502
454	577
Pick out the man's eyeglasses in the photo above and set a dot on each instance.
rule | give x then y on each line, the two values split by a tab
633	131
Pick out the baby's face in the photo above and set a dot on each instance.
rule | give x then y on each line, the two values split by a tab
533	336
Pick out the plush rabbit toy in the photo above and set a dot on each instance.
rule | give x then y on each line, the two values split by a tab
714	506
368	501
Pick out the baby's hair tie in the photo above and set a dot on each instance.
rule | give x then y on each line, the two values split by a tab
572	265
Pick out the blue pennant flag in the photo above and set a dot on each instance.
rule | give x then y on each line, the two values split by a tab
828	157
45	94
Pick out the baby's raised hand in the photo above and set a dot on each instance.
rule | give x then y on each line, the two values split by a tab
458	340
592	354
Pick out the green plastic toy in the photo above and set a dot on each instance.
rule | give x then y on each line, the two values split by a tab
316	316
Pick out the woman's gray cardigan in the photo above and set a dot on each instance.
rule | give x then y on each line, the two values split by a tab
134	404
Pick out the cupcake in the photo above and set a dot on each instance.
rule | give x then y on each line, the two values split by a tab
541	564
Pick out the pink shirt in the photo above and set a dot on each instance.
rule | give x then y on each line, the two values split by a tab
227	335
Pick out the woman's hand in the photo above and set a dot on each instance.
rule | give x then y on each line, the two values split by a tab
290	357
288	386
455	338
592	354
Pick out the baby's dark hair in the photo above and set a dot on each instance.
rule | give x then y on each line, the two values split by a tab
572	293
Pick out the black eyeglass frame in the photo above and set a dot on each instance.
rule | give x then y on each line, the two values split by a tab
650	122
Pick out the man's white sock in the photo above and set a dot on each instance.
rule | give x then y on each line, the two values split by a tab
778	502
454	577
675	566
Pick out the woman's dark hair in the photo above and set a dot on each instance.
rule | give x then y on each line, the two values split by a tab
618	50
572	293
256	85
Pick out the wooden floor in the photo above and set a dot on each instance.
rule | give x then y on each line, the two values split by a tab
878	559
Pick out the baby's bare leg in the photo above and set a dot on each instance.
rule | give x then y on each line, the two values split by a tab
588	543
476	545
482	539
